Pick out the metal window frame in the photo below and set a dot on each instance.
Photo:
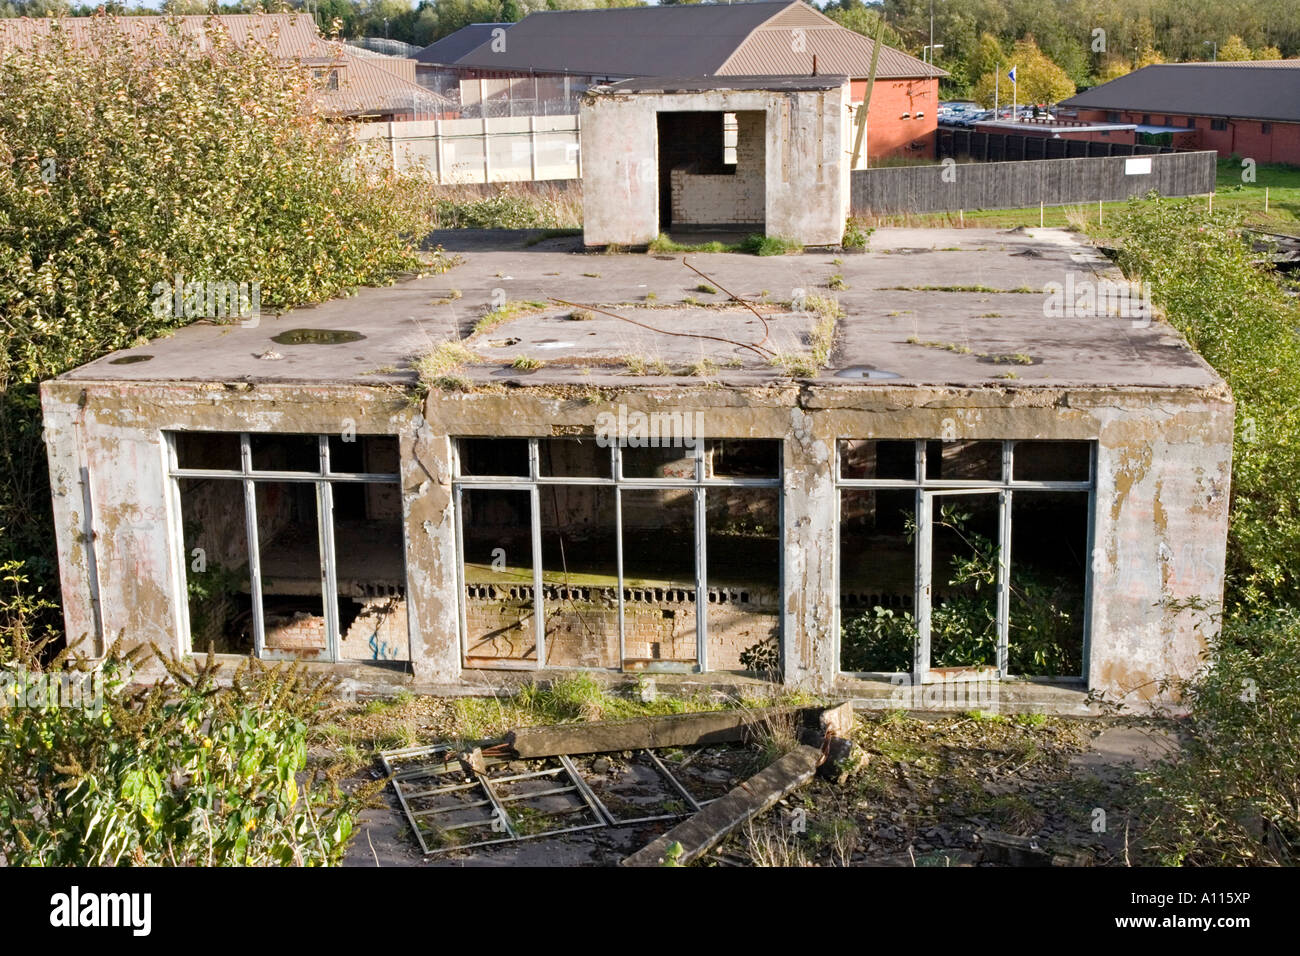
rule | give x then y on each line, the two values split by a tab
926	490
324	479
699	485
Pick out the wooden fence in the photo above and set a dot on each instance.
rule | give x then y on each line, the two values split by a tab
953	186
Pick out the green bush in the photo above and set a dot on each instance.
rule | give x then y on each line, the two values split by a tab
123	167
1240	319
1231	797
184	772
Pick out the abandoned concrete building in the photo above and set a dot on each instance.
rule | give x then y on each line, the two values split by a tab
664	162
637	471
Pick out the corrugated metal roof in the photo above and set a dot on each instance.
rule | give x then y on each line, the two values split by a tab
776	48
696	84
454	46
286	34
366	87
1260	90
687	40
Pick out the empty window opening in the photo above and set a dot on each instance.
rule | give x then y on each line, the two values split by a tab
621	539
215	556
877	579
579	575
659	578
712	169
497	566
943	580
326	579
744	579
1049	547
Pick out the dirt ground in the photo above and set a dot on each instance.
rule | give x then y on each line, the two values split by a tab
930	788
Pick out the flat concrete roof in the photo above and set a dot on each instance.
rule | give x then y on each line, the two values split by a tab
706	84
960	307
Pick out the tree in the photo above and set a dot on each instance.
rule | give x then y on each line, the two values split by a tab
857	16
1149	56
1038	79
1112	68
1234	50
1268	53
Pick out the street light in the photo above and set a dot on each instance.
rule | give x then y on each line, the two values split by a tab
1215	54
929	49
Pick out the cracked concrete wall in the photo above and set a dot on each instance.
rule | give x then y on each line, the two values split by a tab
807	168
108	472
1161	512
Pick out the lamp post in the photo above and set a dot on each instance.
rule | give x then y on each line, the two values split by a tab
1214	57
927	52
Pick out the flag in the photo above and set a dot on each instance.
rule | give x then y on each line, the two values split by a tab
1012	75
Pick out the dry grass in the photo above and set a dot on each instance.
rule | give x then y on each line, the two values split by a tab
770	845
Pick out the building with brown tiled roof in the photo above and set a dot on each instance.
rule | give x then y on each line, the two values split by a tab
544	62
357	84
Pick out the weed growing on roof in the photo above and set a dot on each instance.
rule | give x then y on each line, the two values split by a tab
511	310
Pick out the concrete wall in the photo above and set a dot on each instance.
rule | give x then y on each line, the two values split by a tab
493	150
807	172
1159	531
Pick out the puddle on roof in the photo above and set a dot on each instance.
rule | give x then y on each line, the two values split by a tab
129	359
317	337
865	371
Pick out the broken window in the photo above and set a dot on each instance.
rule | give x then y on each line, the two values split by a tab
215	558
988	547
326	579
659	579
619	535
1049	547
579	575
877	580
744	579
497	563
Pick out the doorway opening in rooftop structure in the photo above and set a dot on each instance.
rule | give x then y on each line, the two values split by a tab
712	171
581	553
964	560
291	546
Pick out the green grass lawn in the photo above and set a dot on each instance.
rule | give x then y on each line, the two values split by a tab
1281	182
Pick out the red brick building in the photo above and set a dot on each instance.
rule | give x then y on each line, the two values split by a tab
1247	109
544	62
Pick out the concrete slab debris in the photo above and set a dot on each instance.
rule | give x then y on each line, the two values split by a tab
708	827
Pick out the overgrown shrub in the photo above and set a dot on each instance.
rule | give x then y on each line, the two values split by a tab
1239	318
124	165
1231	797
184	772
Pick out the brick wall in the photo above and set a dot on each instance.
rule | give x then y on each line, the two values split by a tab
738	198
888	134
378	633
1245	138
